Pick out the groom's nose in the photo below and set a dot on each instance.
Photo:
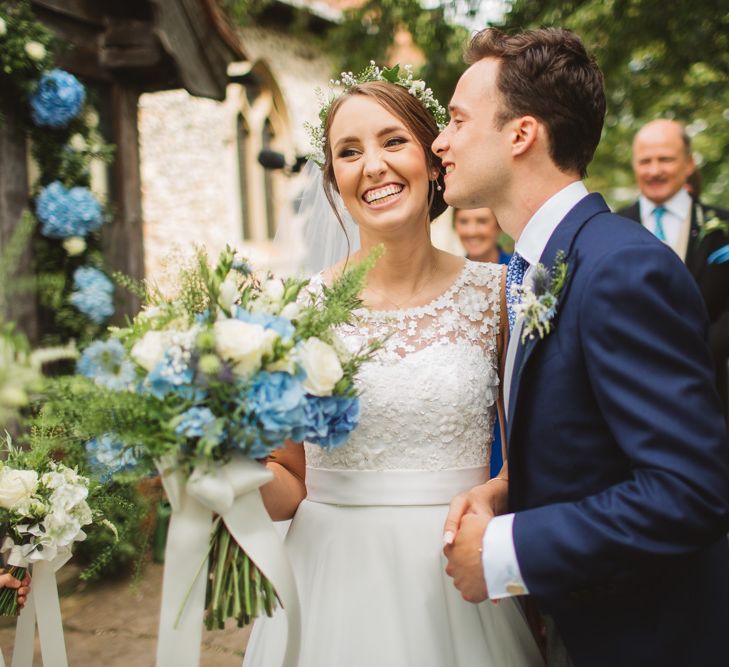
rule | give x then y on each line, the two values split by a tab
440	144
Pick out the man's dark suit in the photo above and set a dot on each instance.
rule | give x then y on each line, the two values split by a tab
713	281
621	493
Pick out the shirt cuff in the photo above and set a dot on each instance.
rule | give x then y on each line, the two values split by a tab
500	567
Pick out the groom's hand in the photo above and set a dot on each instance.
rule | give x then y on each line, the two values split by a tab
464	557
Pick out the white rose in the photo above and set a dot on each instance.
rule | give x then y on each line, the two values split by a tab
16	486
74	245
242	343
35	50
291	311
228	293
3	28
321	365
150	350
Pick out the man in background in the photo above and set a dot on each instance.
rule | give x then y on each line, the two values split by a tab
699	234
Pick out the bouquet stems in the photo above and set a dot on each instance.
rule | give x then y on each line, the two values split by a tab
236	587
9	596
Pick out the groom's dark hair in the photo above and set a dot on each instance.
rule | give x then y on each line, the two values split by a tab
548	74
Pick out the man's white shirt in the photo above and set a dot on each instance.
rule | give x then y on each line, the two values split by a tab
676	220
500	564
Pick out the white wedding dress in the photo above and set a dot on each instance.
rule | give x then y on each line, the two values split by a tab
366	544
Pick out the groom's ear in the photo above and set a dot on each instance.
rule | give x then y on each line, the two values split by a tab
524	132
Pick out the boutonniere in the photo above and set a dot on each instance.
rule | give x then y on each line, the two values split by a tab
713	224
538	303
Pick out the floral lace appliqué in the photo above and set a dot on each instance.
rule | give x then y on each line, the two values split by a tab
429	398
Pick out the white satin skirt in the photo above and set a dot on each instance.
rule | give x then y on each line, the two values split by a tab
366	550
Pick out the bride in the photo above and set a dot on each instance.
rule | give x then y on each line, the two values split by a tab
366	537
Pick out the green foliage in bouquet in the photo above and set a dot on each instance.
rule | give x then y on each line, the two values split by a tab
233	364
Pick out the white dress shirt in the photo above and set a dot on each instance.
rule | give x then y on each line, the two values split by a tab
500	564
676	220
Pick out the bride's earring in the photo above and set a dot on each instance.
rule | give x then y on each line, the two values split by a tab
438	187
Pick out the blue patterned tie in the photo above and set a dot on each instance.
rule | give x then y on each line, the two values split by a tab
658	212
514	276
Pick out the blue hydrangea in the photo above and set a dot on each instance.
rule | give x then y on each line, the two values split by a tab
195	422
58	99
280	325
93	294
64	213
108	456
107	364
331	419
277	402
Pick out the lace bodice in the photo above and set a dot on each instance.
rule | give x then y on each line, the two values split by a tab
428	399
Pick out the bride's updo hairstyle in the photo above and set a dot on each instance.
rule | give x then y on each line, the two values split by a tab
418	120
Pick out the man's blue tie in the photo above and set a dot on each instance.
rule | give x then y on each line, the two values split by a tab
514	276
658	212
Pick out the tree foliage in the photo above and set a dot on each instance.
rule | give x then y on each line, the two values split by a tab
660	59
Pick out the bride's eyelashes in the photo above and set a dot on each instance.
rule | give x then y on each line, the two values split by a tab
391	142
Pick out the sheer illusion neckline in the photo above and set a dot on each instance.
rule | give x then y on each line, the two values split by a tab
425	307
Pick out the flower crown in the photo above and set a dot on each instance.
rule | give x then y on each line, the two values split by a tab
400	77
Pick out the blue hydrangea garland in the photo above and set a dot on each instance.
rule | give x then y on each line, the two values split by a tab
93	294
64	213
58	99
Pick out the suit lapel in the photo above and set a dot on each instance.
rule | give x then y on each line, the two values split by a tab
562	239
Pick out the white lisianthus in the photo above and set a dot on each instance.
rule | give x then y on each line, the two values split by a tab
291	311
150	350
321	365
74	245
273	289
16	486
228	293
243	343
35	51
3	28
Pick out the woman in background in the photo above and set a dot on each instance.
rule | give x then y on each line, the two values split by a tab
478	230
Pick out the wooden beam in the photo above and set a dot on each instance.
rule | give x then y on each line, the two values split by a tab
18	307
123	239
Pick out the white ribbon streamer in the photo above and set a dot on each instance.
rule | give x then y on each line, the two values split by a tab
230	491
41	605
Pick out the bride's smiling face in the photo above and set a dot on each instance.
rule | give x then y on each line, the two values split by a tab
379	167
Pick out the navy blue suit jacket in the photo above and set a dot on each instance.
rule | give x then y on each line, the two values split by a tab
618	455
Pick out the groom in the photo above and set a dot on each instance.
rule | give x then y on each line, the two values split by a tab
618	494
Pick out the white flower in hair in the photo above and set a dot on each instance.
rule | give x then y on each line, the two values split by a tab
347	80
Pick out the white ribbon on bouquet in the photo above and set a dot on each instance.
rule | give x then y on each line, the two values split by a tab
41	605
231	491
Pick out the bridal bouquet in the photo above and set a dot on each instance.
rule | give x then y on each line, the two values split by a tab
210	381
43	509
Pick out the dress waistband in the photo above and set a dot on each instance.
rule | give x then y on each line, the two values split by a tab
390	487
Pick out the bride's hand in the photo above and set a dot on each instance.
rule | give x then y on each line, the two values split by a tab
489	499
